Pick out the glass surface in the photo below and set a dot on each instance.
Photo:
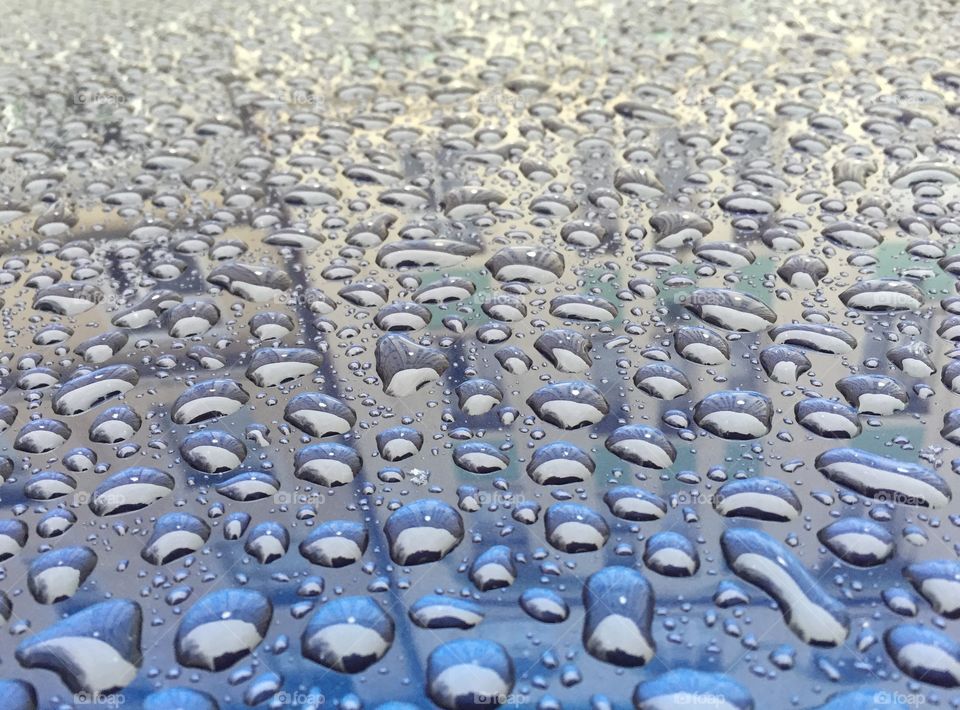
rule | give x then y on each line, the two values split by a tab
555	355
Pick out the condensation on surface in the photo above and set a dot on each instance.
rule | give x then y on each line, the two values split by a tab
552	355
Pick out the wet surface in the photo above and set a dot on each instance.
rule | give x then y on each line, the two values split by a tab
385	356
